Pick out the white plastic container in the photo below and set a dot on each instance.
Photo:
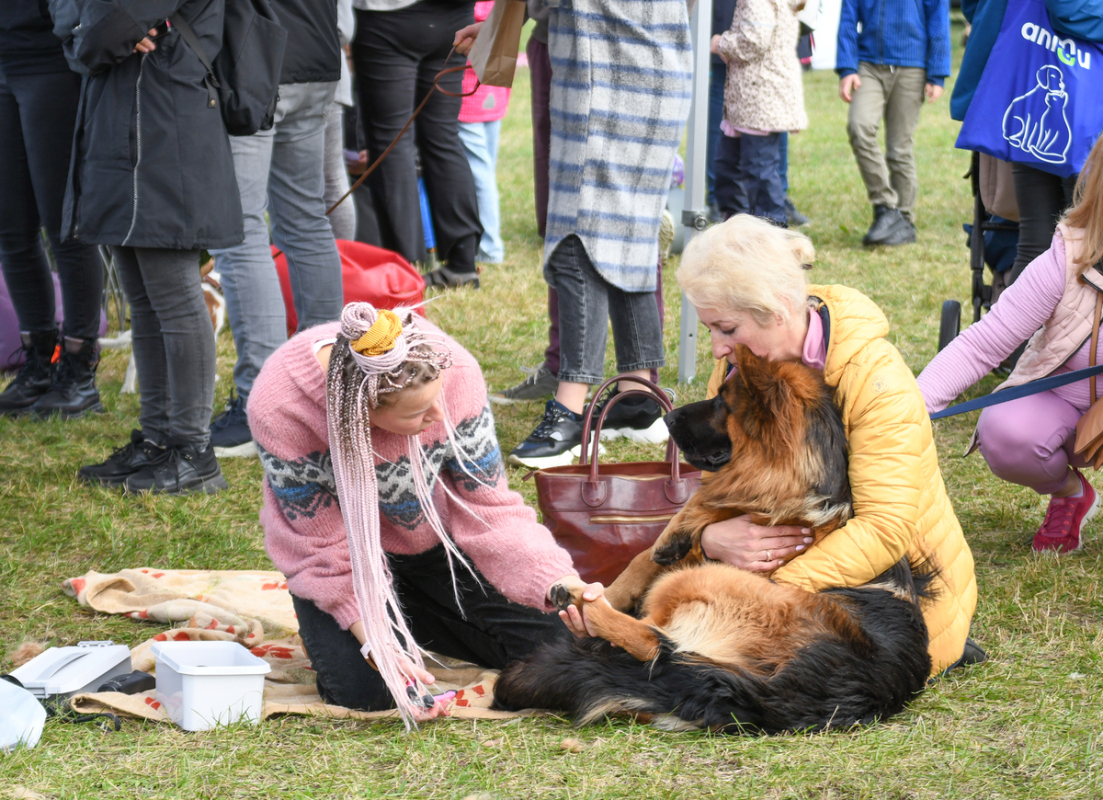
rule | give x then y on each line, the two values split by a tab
204	684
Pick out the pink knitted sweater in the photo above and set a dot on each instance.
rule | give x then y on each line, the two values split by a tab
1021	310
303	529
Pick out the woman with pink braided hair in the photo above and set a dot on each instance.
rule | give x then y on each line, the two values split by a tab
387	508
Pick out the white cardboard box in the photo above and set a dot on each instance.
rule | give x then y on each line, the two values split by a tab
204	684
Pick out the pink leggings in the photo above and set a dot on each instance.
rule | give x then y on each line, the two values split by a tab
1029	441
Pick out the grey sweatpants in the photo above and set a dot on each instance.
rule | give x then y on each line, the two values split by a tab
896	94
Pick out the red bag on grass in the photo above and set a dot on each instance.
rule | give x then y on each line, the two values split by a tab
369	274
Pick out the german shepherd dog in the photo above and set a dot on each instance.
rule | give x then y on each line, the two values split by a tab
693	644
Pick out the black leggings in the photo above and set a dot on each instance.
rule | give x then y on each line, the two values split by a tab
396	55
494	632
37	116
1041	197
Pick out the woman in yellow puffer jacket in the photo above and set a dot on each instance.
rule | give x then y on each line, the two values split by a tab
746	280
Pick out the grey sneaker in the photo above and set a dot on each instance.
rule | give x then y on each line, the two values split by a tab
539	385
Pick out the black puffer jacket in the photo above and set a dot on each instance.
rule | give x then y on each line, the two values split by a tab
151	162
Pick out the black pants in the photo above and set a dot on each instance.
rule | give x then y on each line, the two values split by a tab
1041	198
37	117
494	633
397	54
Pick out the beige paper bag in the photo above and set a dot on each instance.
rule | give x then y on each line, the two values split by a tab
494	54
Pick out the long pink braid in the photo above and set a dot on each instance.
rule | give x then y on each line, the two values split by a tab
385	625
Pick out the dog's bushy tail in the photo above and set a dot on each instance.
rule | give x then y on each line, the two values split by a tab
590	679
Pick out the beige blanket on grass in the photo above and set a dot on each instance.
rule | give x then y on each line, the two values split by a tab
254	609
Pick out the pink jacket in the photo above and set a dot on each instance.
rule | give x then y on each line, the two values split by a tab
488	103
1052	305
304	532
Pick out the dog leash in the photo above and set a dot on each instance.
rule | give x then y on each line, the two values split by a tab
1015	392
406	127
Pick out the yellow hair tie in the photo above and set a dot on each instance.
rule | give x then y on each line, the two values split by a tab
379	338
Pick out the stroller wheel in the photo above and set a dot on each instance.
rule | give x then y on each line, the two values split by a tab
951	323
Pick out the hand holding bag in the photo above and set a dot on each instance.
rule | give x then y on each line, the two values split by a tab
494	54
1089	428
606	514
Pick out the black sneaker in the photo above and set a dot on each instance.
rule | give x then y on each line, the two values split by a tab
796	219
902	233
183	469
444	278
638	419
73	393
886	221
230	434
133	457
555	442
34	378
539	385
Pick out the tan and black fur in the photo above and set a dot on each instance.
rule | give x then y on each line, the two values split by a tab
702	644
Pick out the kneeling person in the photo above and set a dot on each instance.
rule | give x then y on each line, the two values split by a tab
387	508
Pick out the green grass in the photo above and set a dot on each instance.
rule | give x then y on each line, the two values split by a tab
1024	725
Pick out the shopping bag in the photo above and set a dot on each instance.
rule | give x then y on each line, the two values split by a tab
494	54
1040	98
368	274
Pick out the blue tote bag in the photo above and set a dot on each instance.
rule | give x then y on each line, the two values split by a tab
1040	98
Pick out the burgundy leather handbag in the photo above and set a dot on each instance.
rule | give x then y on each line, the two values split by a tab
606	514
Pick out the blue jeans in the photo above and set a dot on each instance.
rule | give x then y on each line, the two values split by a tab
717	76
783	162
587	304
281	170
480	141
747	177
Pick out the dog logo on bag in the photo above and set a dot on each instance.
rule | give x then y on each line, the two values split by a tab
1037	122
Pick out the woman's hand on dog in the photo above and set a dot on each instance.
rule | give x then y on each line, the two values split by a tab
755	548
574	617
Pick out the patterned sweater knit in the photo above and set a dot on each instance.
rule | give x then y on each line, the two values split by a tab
304	531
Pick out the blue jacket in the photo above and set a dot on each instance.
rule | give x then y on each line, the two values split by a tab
899	33
1080	18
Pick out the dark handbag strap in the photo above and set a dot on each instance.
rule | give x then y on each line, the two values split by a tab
193	42
650	390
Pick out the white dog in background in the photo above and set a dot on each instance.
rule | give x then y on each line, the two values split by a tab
216	307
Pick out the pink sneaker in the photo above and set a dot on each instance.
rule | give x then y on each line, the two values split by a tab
1060	529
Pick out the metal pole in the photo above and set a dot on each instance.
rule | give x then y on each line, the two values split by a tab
695	213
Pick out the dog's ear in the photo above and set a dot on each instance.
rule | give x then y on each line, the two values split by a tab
768	389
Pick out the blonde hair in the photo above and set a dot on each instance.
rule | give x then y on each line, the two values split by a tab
747	264
1087	208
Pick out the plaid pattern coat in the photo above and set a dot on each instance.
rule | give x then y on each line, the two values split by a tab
622	73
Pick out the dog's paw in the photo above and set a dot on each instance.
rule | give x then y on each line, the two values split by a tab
566	593
672	548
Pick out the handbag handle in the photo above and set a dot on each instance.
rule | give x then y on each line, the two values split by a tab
594	491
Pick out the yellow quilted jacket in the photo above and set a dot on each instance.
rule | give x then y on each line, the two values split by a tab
900	502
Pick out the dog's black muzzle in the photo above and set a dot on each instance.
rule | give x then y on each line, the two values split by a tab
701	433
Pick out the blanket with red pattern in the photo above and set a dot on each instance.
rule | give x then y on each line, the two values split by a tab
254	609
